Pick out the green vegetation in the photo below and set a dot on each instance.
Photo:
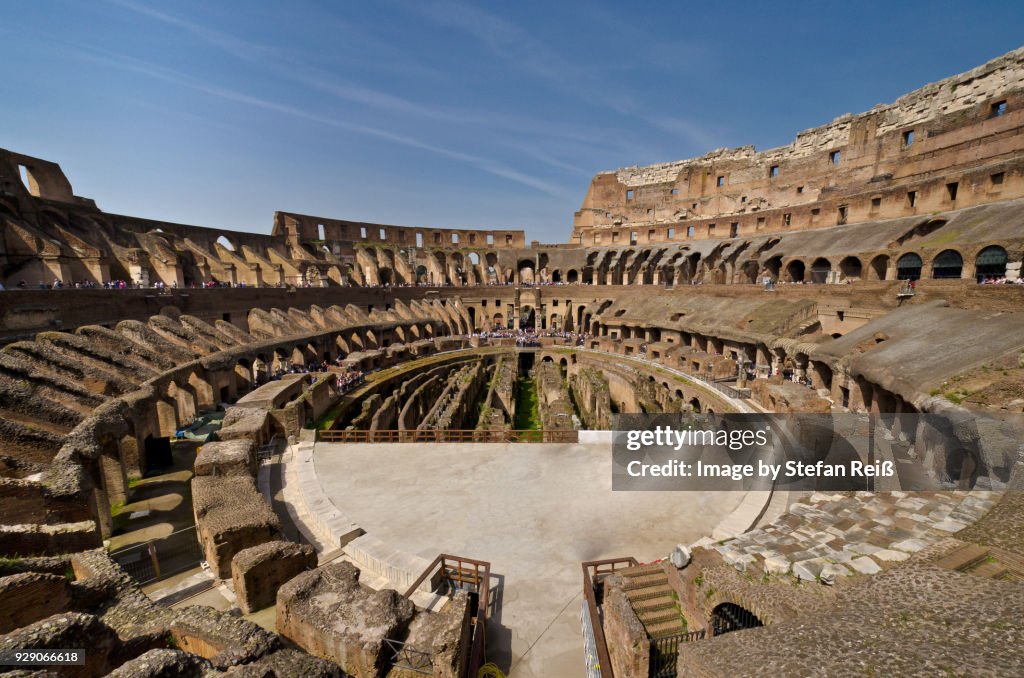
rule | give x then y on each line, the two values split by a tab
527	416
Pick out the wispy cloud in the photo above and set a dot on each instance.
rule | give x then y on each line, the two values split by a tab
317	78
158	72
520	50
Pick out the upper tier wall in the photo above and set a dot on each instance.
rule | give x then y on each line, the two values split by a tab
954	143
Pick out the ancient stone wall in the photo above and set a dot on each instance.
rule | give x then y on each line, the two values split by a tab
259	571
951	143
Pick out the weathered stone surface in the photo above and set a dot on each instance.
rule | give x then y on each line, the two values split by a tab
103	587
680	556
231	515
31	596
226	458
222	638
865	565
164	663
328	613
287	664
258	571
893	623
68	630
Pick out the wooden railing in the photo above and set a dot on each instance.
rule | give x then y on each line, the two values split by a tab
460	572
593	571
448	436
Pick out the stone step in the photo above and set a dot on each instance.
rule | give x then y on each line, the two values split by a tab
990	569
639	595
964	558
655	604
1013	562
648	581
668	628
658	616
641	570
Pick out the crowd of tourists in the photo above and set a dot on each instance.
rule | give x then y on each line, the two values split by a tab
530	336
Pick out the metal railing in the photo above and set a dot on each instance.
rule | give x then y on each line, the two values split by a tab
593	572
160	558
409	658
664	655
448	436
459	573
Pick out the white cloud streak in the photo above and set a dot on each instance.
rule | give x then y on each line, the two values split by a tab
155	71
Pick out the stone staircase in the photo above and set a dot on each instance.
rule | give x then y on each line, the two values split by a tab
837	535
653	600
984	561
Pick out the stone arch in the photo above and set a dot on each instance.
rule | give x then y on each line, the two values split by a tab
526	271
795	271
990	263
572	276
879	267
527	317
749	272
773	267
821	269
948	264
851	268
908	266
963	468
728	616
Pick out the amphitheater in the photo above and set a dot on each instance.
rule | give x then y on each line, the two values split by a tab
345	448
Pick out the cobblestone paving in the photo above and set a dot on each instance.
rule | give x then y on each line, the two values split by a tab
840	535
913	620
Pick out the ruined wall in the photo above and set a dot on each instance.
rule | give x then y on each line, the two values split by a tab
950	143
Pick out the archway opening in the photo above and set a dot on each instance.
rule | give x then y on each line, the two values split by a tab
991	263
908	267
949	264
851	267
879	267
728	617
820	270
795	271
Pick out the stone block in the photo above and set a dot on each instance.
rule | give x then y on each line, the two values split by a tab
259	571
30	596
231	515
163	663
327	612
68	630
865	565
224	639
226	458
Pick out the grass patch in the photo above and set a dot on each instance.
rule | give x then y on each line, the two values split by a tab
527	418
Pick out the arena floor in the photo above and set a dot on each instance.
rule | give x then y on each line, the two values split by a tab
533	511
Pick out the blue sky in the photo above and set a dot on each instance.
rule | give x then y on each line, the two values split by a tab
446	114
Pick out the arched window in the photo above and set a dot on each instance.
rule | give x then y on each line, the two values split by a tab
949	264
908	267
879	266
851	268
820	270
731	617
991	263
